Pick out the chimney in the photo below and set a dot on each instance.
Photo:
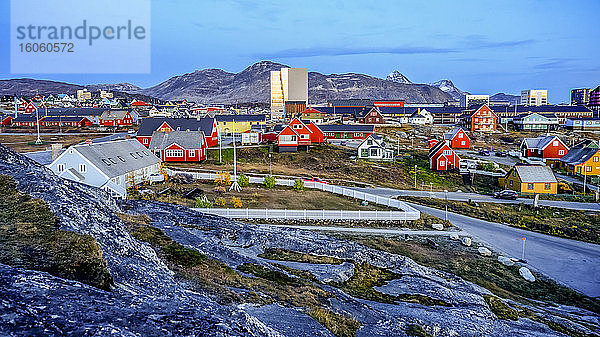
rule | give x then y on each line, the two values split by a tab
56	149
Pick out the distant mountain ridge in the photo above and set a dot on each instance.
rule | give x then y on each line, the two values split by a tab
252	84
502	97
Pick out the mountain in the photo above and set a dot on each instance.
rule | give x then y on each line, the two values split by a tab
448	87
122	87
253	85
250	85
502	97
31	87
398	77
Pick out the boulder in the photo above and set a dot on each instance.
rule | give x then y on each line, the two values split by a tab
506	261
526	273
484	251
466	242
454	237
437	226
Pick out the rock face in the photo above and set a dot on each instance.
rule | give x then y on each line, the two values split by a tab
398	77
148	300
448	87
506	261
253	85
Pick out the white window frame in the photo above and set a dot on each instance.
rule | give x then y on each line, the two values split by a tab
82	168
60	168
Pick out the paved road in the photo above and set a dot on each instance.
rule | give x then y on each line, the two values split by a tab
508	160
573	263
462	196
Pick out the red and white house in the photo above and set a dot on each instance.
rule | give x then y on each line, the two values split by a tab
65	121
457	139
483	119
6	120
296	133
547	147
207	125
179	146
116	118
443	158
30	108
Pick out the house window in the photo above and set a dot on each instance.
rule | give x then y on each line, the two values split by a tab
588	169
555	143
192	153
447	152
514	173
82	168
303	136
442	163
364	152
596	159
61	167
460	135
561	152
374	152
530	186
546	186
174	153
462	143
145	140
297	126
510	183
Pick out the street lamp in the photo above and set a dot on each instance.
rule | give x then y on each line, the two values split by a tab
415	176
446	212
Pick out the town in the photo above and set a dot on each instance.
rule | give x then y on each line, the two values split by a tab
330	169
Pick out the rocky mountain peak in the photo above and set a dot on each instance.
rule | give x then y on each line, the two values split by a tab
448	87
398	77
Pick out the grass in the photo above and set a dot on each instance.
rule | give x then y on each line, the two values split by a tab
258	197
417	331
264	287
280	254
332	163
30	238
501	310
26	143
503	281
339	325
572	224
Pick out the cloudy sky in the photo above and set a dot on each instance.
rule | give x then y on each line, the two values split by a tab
482	46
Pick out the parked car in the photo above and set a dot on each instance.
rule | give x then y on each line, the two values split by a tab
484	152
506	194
500	154
316	180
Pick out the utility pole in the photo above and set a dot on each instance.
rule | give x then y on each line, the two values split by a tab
220	147
584	177
38	141
235	186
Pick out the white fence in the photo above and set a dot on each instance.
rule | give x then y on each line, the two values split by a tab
307	214
410	212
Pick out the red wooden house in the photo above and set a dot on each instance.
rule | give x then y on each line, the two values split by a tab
369	116
547	147
6	120
457	139
65	121
181	146
116	118
24	120
207	125
483	119
30	108
443	158
298	134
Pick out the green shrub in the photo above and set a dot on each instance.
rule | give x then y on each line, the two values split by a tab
269	182
243	180
203	203
299	185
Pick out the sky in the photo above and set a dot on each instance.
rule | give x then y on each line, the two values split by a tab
484	47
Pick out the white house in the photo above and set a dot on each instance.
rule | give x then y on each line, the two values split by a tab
373	148
112	166
421	117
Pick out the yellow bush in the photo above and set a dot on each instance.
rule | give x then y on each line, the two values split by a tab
236	202
219	202
223	179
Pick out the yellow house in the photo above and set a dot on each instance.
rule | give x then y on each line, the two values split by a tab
530	179
228	124
583	159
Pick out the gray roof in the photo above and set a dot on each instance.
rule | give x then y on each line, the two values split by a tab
119	157
539	143
113	114
449	135
189	140
535	174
